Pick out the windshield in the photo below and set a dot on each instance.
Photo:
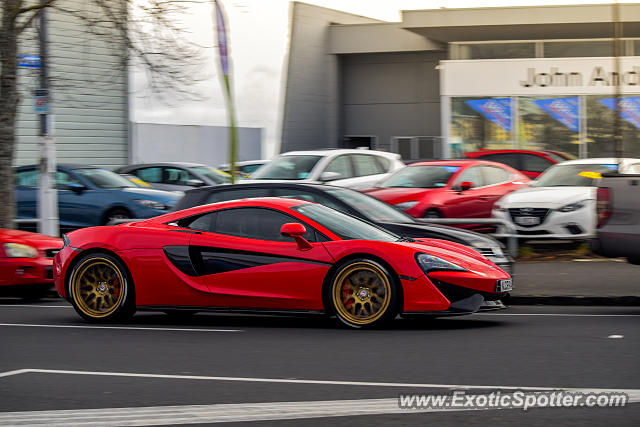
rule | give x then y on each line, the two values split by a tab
215	176
431	176
287	167
559	157
575	175
344	226
373	209
104	178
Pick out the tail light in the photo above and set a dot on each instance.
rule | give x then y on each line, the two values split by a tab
603	205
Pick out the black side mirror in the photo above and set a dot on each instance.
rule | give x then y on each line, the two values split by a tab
76	187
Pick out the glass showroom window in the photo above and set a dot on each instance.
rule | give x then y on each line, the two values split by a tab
478	123
494	50
549	123
601	121
574	49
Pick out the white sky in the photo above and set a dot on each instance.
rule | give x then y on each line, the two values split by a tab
258	34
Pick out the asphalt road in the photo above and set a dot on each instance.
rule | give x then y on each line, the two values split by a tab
305	371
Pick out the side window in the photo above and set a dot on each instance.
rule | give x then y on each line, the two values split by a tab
63	179
366	165
176	176
294	193
206	222
509	159
472	174
27	178
494	175
533	163
341	165
235	194
153	175
256	223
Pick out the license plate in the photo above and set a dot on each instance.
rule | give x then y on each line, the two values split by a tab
505	285
527	220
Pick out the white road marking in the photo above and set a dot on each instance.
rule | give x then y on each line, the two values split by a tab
200	414
320	382
134	328
615	336
35	306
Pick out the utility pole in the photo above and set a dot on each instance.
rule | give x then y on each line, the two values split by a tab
47	193
618	141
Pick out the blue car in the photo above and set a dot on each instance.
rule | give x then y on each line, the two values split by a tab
89	196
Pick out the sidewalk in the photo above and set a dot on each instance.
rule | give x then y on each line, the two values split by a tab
588	282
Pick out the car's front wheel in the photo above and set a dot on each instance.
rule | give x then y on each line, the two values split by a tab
100	289
363	293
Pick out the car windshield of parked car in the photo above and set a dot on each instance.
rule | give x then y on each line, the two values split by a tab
104	178
370	207
344	226
287	167
216	176
425	176
574	175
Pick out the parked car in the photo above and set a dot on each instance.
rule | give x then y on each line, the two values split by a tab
355	204
449	188
245	168
88	196
618	216
530	162
26	263
356	169
176	176
561	203
272	254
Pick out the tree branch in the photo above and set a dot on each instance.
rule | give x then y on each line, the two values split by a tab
35	8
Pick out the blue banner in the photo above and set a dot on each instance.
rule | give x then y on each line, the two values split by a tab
498	110
629	108
564	110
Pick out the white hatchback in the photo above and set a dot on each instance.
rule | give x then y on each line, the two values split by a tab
561	202
357	169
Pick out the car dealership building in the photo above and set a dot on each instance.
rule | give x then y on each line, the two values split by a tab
446	81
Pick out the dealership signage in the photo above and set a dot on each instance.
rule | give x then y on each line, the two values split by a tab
543	76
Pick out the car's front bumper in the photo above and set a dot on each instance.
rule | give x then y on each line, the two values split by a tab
473	304
26	271
576	225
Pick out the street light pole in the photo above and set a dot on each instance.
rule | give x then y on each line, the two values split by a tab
47	193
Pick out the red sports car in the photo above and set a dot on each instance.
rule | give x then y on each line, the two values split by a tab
449	188
271	255
26	262
530	162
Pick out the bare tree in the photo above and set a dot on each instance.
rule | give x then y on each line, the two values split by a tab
149	30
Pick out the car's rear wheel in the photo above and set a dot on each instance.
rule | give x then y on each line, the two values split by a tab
100	289
363	294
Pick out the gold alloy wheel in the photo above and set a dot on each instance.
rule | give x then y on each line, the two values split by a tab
98	287
361	293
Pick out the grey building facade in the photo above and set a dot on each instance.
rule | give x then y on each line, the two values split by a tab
446	81
89	92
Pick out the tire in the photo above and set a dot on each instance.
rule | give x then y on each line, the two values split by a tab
433	213
116	213
100	289
362	294
35	292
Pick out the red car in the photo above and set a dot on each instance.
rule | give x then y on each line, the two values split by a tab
530	162
449	188
26	262
271	255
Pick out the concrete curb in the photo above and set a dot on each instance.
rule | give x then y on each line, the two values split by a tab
628	301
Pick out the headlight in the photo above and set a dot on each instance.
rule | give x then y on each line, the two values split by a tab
572	206
432	263
405	206
499	207
17	250
152	204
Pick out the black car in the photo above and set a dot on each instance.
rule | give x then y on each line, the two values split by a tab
356	204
